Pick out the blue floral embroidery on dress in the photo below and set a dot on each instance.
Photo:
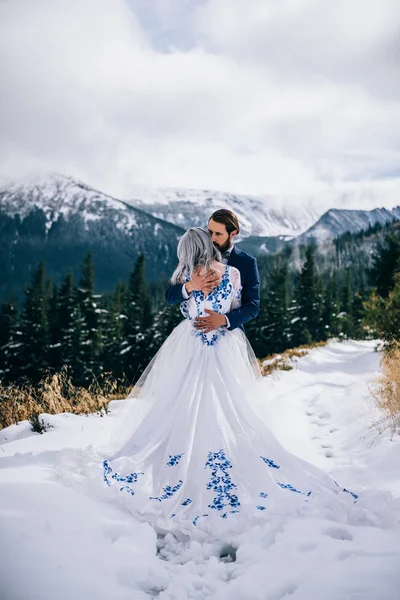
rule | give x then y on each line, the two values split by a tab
270	463
131	478
174	459
106	470
219	293
231	512
351	493
187	501
210	341
128	489
198	517
185	309
260	507
288	486
238	297
168	492
221	484
348	491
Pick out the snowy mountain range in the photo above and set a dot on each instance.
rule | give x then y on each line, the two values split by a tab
61	196
326	214
258	216
263	217
58	219
332	224
335	222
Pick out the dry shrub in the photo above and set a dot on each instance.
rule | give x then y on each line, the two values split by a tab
56	393
284	361
385	390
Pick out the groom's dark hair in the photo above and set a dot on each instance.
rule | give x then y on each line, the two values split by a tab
227	218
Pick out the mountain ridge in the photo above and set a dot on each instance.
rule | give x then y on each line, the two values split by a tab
256	217
336	221
63	195
60	194
60	220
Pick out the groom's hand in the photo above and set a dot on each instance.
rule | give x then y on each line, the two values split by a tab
203	283
206	324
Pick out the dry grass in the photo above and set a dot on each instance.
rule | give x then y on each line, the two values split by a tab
286	360
385	390
54	394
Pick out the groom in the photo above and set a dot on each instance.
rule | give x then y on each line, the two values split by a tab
223	226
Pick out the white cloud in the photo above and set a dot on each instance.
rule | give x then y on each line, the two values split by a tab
250	96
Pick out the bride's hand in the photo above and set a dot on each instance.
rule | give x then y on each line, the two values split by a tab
203	283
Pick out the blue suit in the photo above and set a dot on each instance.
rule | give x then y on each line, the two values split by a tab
250	307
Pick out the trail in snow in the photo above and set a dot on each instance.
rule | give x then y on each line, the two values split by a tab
57	541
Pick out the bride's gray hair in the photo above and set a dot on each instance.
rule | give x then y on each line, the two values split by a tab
195	249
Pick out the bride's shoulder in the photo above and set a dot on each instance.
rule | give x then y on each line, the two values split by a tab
233	270
234	273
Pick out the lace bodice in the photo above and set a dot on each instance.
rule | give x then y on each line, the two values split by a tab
224	298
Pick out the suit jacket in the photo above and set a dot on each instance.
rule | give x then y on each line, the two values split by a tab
250	306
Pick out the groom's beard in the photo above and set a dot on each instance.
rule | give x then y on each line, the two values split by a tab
223	247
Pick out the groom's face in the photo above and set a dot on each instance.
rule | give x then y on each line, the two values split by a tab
219	235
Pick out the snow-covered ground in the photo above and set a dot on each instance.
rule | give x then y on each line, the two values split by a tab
59	543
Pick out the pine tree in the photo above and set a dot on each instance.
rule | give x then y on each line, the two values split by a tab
256	328
67	309
320	331
113	334
346	317
330	313
307	308
385	263
91	311
358	312
70	327
9	340
164	321
138	323
55	346
274	334
34	328
386	314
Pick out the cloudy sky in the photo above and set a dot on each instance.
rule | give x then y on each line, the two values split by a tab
247	96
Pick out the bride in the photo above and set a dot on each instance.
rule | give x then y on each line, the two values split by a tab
192	453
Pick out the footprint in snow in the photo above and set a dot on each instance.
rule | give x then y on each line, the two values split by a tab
325	415
306	547
339	534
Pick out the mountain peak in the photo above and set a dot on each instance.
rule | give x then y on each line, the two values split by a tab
336	221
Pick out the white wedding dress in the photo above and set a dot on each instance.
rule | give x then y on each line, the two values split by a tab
192	455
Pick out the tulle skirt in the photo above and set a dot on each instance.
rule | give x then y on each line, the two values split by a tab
192	455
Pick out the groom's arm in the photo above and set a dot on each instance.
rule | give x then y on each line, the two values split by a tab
175	294
250	303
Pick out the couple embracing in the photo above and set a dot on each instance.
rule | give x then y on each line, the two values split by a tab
204	259
194	456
